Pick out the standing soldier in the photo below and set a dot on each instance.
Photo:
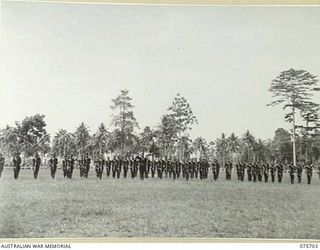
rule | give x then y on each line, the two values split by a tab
226	166
65	165
309	173
238	171
118	167
160	169
291	172
53	163
173	169
254	172
200	169
153	168
266	169
299	172
197	170
72	161
186	168
178	168
206	169
242	171
36	162
108	166
87	162
217	168
125	167
132	168
136	166
113	167
99	167
1	164
228	170
16	165
280	172
142	167
249	171
259	171
165	169
214	170
148	165
273	172
68	170
70	167
81	166
183	169
191	168
168	166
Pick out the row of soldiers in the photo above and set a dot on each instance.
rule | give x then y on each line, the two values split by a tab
187	169
143	167
132	166
36	163
260	171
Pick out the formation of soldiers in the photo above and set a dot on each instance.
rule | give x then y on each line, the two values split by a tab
262	171
144	168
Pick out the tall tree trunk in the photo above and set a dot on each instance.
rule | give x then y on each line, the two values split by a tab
294	136
223	159
24	160
180	147
122	130
307	131
233	158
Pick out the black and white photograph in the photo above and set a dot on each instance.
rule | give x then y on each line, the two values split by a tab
159	121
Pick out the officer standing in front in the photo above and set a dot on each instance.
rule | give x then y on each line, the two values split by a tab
36	162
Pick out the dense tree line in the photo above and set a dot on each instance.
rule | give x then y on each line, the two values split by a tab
170	138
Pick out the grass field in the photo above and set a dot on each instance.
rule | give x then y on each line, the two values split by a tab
156	208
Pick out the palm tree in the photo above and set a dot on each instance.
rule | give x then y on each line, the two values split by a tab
82	138
261	150
100	141
131	142
9	140
233	146
166	134
131	145
185	148
200	145
221	148
211	150
63	143
249	142
147	139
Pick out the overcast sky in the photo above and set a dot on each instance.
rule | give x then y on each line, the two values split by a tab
68	61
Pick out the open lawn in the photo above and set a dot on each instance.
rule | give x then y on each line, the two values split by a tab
156	208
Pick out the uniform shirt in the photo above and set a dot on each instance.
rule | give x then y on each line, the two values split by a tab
17	161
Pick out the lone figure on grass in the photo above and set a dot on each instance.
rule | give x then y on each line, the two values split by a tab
309	173
53	162
16	165
36	162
